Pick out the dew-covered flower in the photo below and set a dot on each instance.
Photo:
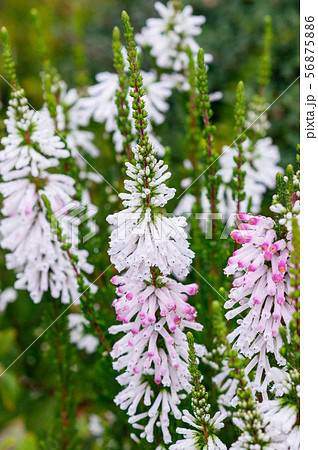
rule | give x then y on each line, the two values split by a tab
261	169
190	435
169	36
31	152
260	294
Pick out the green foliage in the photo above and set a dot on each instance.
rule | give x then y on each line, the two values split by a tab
8	60
122	117
237	182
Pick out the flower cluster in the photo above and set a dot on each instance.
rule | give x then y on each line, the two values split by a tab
147	247
260	294
31	149
170	35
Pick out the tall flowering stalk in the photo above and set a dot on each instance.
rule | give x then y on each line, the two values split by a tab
147	248
208	134
30	159
274	424
261	288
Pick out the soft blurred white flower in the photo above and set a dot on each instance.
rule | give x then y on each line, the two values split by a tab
171	34
9	295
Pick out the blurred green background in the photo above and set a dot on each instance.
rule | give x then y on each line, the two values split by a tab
233	33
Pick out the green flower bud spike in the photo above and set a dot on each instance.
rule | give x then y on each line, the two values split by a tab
145	151
199	396
82	78
8	60
122	118
237	183
208	135
40	41
136	84
265	63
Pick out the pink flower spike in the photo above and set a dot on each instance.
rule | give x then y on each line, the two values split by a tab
252	268
129	296
158	379
121	289
135	369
